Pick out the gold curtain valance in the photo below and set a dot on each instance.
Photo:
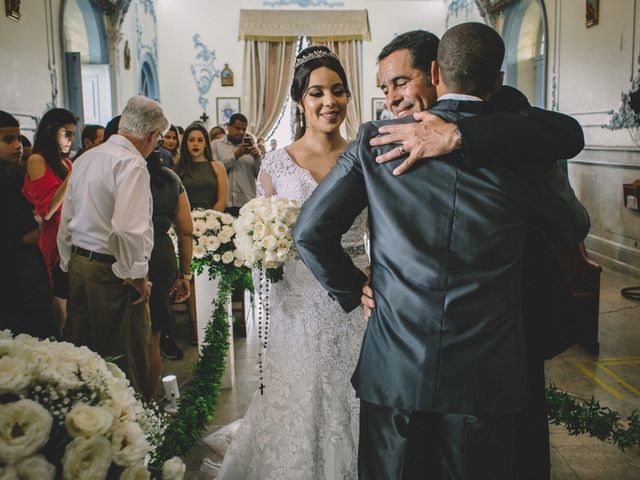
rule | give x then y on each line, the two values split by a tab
320	25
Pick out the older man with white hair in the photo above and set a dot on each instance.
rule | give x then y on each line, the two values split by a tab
105	240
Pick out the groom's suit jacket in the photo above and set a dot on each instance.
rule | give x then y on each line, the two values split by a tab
446	247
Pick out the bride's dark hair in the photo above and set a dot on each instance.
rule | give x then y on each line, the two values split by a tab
307	61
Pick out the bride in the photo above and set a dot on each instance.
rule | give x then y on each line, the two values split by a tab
305	425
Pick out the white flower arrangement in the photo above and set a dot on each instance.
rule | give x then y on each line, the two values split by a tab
263	232
64	407
213	235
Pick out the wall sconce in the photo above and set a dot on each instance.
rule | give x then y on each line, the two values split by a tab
171	393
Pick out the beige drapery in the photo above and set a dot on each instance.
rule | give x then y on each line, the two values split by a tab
272	25
270	37
268	70
349	53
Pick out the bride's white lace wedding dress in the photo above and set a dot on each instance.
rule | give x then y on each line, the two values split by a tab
305	426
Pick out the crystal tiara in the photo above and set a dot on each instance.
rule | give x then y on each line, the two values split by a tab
314	55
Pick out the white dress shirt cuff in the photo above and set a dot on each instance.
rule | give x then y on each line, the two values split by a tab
137	270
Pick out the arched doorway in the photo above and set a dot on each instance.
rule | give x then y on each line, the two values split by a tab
88	74
525	33
148	84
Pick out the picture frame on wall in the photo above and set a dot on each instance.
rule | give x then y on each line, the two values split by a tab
12	9
379	110
592	12
225	107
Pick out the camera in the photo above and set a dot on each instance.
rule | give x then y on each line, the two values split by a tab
247	140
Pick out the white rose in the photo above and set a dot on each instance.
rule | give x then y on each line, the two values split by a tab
216	257
61	372
279	229
212	223
173	469
244	221
137	472
290	217
259	230
202	241
115	370
129	444
86	421
122	397
227	219
212	244
224	237
86	458
249	258
29	340
227	257
282	253
6	333
270	259
269	242
24	429
238	262
35	468
198	213
14	374
199	251
10	472
199	227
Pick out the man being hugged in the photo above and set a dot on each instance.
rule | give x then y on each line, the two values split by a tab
443	362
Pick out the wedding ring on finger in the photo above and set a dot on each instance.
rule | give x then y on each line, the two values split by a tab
402	150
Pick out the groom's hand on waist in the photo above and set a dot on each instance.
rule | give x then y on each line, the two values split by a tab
367	296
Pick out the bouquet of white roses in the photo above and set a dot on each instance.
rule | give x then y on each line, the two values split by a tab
66	412
213	236
263	232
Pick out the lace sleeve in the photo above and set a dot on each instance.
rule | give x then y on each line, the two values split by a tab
264	185
265	180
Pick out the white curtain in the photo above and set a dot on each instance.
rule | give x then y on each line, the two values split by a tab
268	70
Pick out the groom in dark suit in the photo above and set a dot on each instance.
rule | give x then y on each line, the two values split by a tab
444	348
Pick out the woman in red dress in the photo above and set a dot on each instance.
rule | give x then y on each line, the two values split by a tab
48	172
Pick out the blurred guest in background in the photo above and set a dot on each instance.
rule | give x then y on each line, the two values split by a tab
238	153
170	207
172	145
91	136
25	297
27	147
45	185
206	183
216	132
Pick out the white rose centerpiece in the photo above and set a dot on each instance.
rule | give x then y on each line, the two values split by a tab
65	408
213	241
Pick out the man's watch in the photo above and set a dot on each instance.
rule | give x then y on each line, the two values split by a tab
186	276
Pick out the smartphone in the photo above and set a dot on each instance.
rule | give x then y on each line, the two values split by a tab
247	140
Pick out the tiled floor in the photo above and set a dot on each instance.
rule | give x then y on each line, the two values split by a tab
613	378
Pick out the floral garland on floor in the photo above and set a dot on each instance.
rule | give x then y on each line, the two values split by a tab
214	252
590	418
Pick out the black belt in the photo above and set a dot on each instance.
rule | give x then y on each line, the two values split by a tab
100	257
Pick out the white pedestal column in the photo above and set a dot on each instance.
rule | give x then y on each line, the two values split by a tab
206	291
